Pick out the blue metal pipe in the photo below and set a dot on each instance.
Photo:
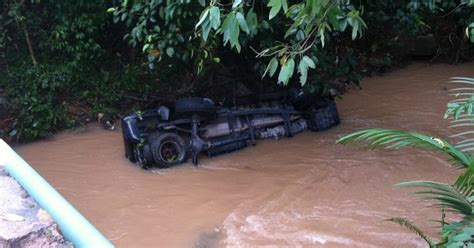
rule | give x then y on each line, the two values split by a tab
75	227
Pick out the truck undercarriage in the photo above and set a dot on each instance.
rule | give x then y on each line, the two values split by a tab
168	136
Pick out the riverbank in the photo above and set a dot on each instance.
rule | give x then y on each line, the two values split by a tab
23	223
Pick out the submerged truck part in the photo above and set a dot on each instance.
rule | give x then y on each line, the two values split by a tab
279	131
222	128
75	227
205	127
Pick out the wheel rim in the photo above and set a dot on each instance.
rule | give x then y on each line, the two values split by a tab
169	151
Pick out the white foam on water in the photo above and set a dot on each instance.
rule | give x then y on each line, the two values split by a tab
277	230
408	240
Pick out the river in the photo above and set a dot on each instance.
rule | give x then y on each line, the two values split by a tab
304	191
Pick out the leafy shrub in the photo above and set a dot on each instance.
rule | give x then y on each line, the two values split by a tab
35	97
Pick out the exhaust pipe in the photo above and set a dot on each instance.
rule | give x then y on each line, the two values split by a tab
75	227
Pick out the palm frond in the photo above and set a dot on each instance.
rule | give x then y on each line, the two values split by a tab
462	94
464	80
461	89
412	227
395	139
465	145
465	184
469	124
463	134
445	195
459	100
460	110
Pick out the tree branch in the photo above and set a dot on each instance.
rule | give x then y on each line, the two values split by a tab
28	43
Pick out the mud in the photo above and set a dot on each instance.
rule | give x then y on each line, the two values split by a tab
297	192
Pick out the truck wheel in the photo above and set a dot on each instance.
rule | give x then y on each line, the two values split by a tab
168	149
323	118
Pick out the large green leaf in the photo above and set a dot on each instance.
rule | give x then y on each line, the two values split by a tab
275	6
394	139
242	22
271	68
286	71
231	30
215	17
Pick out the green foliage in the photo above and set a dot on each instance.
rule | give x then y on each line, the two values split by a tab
394	139
245	26
460	112
470	32
42	94
458	234
35	94
75	33
165	31
404	16
280	39
79	63
330	66
448	197
307	25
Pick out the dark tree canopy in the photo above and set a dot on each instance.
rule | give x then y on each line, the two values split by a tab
66	61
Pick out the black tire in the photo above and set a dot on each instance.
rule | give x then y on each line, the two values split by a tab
168	149
195	104
323	117
148	159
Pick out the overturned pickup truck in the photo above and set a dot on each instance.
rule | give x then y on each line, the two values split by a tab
167	136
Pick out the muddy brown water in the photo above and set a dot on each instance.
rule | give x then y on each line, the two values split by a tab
305	191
